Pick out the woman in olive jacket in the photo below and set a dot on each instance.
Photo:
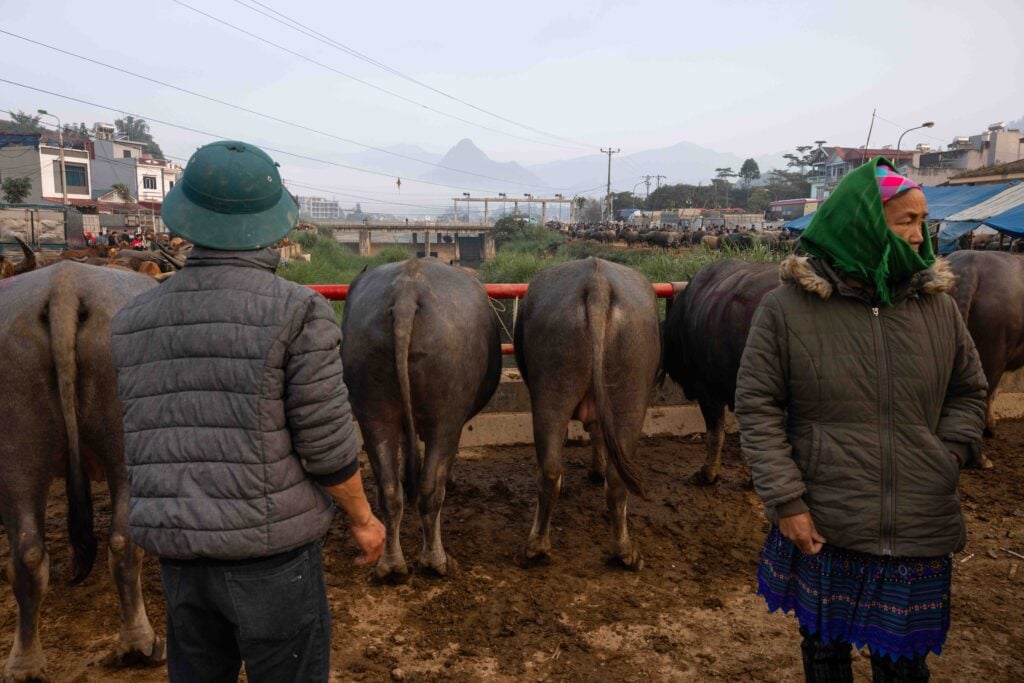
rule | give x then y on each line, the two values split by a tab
859	397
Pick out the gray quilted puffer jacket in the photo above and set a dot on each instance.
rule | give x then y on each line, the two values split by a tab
234	410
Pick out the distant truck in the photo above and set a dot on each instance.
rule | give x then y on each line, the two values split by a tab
45	227
788	209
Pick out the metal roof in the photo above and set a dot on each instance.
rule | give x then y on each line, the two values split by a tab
1009	198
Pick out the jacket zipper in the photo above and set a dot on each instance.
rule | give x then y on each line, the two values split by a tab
885	413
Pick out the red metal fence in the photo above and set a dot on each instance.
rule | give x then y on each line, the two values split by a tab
664	290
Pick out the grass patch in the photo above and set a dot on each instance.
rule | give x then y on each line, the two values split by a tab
332	263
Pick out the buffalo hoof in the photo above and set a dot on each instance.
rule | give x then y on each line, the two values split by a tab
527	558
702	478
154	654
391	574
631	560
27	667
445	568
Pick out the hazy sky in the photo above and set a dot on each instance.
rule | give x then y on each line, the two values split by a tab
744	77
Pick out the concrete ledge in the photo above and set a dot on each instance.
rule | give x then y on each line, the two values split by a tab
506	421
510	429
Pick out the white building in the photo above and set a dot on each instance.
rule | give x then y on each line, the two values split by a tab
155	178
120	161
319	209
37	156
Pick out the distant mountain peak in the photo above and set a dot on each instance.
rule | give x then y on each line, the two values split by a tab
464	163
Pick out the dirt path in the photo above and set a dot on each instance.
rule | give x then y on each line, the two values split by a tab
691	614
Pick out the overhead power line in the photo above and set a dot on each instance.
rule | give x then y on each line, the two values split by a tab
198	131
269	117
327	40
363	81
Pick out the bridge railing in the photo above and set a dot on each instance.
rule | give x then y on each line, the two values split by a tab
662	290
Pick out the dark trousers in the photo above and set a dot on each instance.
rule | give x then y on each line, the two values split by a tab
270	613
831	663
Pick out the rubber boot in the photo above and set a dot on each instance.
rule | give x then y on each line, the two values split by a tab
903	670
825	662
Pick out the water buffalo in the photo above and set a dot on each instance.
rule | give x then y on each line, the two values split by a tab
60	416
10	268
663	238
422	356
588	347
989	293
704	336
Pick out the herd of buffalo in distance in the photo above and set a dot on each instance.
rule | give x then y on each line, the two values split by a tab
422	356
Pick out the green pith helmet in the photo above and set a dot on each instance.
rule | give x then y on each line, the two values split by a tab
230	197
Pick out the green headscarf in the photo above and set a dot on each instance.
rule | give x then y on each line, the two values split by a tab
849	231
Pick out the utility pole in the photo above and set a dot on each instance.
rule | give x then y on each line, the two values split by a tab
867	145
647	183
608	194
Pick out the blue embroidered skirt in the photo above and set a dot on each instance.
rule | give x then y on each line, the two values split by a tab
897	606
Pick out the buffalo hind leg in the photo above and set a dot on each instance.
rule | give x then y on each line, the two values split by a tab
549	437
598	458
714	440
382	450
440	456
137	643
620	547
28	571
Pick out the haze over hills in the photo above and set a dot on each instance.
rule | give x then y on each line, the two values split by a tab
684	162
380	161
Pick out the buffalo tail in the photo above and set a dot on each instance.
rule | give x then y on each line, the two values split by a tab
403	313
64	321
598	308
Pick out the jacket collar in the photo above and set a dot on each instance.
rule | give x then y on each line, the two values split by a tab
262	259
817	277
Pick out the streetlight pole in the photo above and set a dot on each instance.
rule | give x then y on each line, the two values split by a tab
926	124
63	167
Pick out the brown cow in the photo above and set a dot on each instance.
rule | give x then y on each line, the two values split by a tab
60	415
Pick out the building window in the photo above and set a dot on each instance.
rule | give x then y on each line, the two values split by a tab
127	153
77	178
149	182
170	185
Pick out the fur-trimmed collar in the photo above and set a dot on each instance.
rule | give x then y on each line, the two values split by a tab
817	277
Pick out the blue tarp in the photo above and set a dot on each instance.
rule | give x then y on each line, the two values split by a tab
1010	222
946	201
798	224
949	233
942	202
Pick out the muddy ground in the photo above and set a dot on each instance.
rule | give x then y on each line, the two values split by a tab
691	614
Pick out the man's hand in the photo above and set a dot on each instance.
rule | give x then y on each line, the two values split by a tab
368	532
369	535
800	530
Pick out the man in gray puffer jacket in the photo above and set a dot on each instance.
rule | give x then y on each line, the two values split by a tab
238	432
